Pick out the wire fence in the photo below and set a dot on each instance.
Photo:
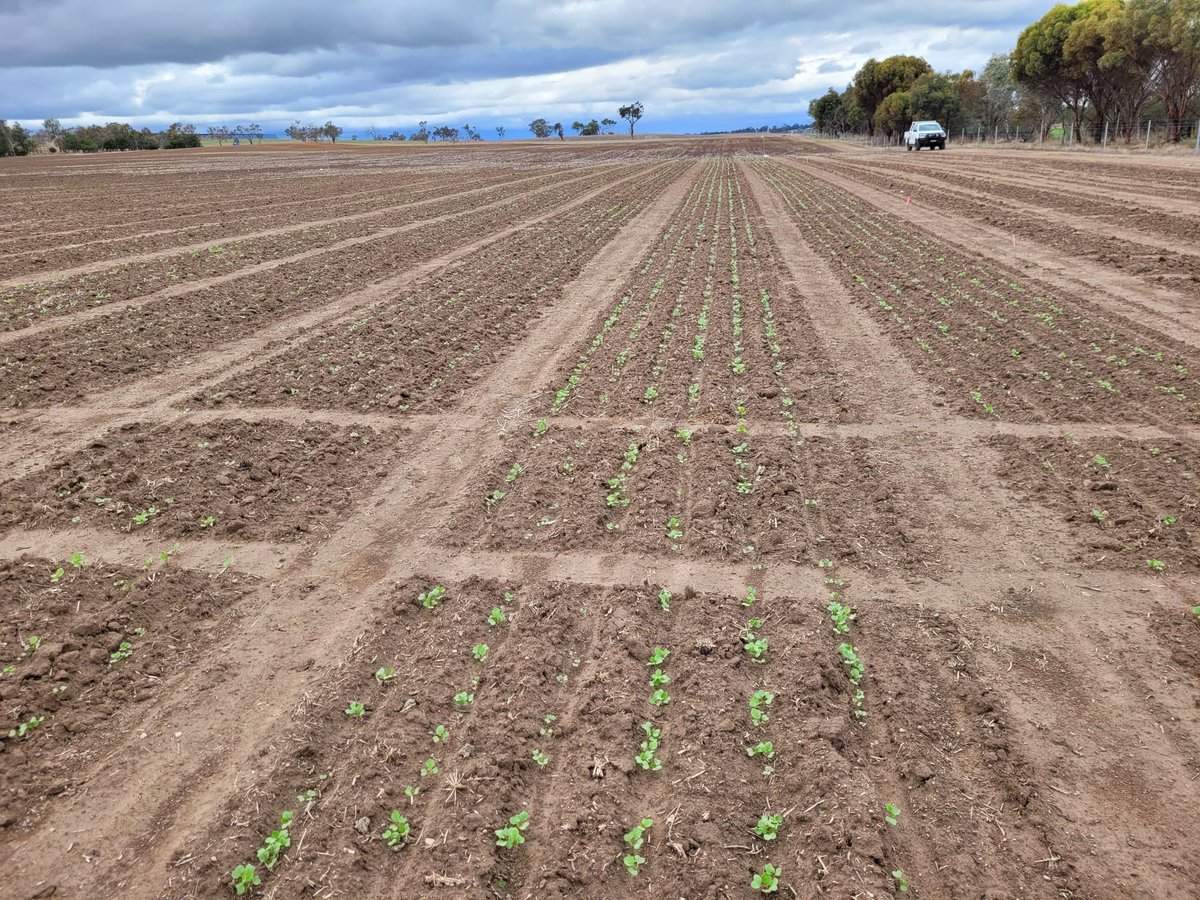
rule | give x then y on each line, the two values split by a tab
1172	137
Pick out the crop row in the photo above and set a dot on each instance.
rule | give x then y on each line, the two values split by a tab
62	364
998	343
553	738
427	343
26	304
255	481
699	493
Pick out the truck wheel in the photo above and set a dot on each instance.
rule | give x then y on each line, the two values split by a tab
908	147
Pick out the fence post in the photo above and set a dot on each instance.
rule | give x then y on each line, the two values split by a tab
996	136
1148	123
1196	152
1104	146
979	135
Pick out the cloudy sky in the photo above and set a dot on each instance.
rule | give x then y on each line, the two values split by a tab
695	64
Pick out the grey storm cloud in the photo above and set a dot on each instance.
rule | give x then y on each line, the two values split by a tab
399	60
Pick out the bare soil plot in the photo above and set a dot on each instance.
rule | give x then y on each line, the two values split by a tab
424	521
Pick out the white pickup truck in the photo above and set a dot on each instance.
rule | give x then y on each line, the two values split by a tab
925	134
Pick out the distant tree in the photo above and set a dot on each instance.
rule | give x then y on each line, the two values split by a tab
608	123
51	130
631	114
935	97
828	113
591	128
178	136
997	102
422	133
395	136
373	133
1171	30
220	134
6	141
894	114
331	131
1040	64
500	129
876	80
540	128
577	126
557	129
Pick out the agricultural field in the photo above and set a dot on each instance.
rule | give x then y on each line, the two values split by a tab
697	517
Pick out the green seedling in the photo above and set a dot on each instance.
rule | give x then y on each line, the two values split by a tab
145	515
1168	521
646	757
307	797
901	881
1101	461
1099	515
541	428
31	643
759	702
429	767
762	748
755	646
57	575
496	616
767	881
8	670
432	597
684	436
751	596
658	678
494	497
891	813
635	839
396	833
440	734
511	837
1156	564
276	842
851	659
546	731
513	473
208	521
541	758
768	826
23	728
385	674
659	656
245	879
841	615
480	652
78	560
825	563
123	651
411	793
462	698
660	698
355	710
674	528
664	600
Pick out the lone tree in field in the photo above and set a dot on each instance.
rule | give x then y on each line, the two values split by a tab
331	131
500	129
558	129
540	128
631	114
607	123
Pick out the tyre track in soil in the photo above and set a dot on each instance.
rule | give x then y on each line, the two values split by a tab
996	548
86	315
48	432
101	265
176	793
1108	289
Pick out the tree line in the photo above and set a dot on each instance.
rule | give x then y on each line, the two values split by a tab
15	140
1101	64
631	113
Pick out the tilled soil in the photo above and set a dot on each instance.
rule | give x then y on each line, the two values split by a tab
362	503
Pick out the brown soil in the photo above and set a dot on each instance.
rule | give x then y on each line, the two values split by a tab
682	393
